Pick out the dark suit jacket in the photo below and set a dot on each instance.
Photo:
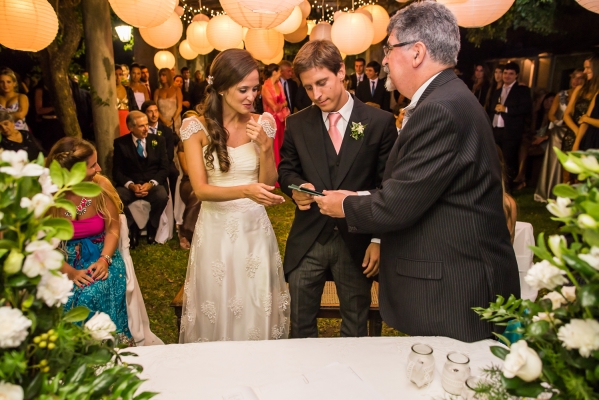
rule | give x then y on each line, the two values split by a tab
445	245
127	166
381	96
187	95
519	107
302	100
361	166
171	140
197	95
292	94
354	81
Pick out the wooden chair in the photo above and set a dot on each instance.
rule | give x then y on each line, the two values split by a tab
329	307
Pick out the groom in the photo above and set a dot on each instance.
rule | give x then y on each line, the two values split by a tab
337	143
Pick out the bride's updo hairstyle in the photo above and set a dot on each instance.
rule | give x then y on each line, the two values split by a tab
228	69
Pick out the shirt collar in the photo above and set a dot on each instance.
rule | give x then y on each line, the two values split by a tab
143	141
509	86
419	92
345	111
155	126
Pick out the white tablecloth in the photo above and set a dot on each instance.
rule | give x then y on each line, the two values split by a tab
208	370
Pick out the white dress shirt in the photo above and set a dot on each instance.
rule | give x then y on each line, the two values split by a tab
497	118
143	144
415	99
359	78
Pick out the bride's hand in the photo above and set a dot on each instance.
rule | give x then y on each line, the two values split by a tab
261	194
255	131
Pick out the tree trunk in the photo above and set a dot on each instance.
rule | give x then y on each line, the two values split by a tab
55	60
100	62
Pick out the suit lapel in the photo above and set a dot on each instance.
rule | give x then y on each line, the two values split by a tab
444	77
132	150
350	147
315	143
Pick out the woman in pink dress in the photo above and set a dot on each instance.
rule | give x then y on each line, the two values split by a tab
273	99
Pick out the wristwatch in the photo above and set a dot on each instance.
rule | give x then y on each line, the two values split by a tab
107	258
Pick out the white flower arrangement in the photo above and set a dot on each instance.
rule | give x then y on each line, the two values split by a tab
544	275
8	391
54	289
43	258
580	334
100	326
13	327
522	362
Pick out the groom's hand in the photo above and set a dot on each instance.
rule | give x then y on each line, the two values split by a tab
303	200
372	259
331	203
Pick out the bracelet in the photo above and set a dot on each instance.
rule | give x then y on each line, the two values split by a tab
106	258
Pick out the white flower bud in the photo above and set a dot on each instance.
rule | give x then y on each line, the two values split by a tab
560	208
586	221
571	166
555	241
590	163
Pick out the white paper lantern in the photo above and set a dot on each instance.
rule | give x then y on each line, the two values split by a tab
264	44
143	13
292	23
200	17
478	13
164	59
380	21
186	51
27	25
337	14
201	50
224	33
165	35
271	6
298	35
179	11
352	33
591	5
275	60
258	17
321	31
306	8
364	11
196	35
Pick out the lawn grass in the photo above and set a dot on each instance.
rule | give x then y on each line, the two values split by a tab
161	269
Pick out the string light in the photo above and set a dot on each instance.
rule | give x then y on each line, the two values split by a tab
189	11
329	10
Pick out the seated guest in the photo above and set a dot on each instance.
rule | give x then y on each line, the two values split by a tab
140	169
372	91
93	261
192	204
156	127
11	100
15	140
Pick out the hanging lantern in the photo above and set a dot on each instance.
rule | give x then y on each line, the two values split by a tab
27	25
299	35
143	13
200	17
311	24
275	60
258	16
364	11
165	35
224	33
264	44
124	32
164	59
196	35
200	50
292	23
179	11
306	8
186	51
591	5
352	33
380	21
322	31
478	13
269	6
337	14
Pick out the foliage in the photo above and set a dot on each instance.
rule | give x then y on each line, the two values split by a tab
45	354
559	331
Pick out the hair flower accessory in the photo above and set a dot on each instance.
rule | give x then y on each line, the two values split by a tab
210	79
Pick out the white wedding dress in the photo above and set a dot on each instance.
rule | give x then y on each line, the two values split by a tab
235	287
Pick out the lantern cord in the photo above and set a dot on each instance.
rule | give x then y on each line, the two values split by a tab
323	10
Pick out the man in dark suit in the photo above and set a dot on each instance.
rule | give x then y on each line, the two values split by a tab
145	78
289	85
337	143
302	100
198	92
510	104
372	90
155	127
187	89
140	169
358	76
445	245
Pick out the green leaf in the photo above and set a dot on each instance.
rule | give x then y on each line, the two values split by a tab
86	189
127	354
76	314
563	157
145	396
500	352
34	387
19	280
589	295
563	190
27	302
505	340
591	207
538	328
63	228
580	266
75	376
3	252
67	205
77	173
7	244
529	389
591	237
103	382
56	173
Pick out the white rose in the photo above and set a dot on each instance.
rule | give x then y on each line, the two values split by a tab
18	164
581	334
54	290
569	293
590	163
586	221
48	187
100	326
560	208
549	317
557	300
8	391
13	327
592	258
43	258
522	362
544	275
555	242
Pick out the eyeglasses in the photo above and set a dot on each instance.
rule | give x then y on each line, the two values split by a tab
388	47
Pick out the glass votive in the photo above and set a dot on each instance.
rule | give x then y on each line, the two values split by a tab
421	365
469	393
455	372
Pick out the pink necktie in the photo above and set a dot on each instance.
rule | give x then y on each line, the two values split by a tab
334	133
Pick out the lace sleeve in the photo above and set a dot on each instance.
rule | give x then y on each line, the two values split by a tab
268	124
190	126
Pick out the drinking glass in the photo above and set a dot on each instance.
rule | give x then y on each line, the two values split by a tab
455	372
421	365
468	392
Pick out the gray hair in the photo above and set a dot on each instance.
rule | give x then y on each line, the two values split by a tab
6	116
432	24
131	118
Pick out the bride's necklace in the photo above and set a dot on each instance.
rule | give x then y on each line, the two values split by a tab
81	208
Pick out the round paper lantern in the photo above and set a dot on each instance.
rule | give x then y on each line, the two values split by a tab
200	17
186	51
27	25
322	31
591	5
277	59
478	13
292	23
380	21
200	50
224	33
298	35
258	17
179	11
337	14
365	12
269	6
306	8
165	35
264	44
143	13
196	35
164	59
352	33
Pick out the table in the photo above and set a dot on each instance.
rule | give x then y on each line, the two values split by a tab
207	370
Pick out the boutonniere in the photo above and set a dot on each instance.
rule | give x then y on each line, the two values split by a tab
159	133
154	143
357	130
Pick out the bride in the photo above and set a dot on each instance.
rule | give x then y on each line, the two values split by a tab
235	287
